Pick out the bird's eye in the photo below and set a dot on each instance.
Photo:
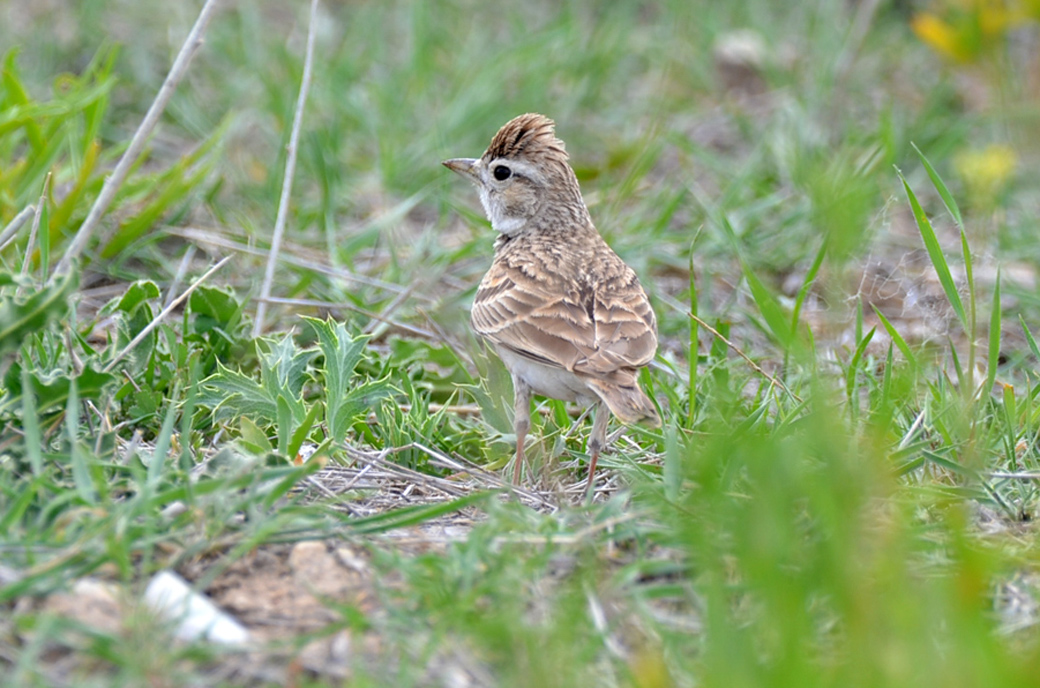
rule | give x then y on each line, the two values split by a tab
502	173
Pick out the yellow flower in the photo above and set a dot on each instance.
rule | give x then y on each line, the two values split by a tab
963	30
985	173
942	37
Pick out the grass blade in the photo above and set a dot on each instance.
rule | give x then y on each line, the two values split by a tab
810	277
694	344
284	425
31	423
897	338
80	471
935	253
1029	338
940	186
300	434
162	442
850	374
779	324
994	339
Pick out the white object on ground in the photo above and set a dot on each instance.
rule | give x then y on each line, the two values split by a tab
196	616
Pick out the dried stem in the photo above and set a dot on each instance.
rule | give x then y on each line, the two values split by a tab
11	230
287	180
27	259
137	143
754	366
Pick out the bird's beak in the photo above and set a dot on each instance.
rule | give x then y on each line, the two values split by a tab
467	167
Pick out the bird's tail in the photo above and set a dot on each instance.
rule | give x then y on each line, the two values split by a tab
622	395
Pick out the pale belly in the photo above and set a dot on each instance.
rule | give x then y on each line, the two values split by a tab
548	381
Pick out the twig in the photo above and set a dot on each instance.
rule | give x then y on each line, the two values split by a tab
314	303
390	308
600	623
162	315
414	477
206	237
151	118
1004	475
577	537
354	481
439	459
751	363
11	230
27	260
913	429
475	410
488	477
287	179
860	27
182	270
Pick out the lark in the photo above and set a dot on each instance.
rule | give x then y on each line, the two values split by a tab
565	314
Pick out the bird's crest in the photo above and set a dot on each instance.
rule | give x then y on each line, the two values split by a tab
527	134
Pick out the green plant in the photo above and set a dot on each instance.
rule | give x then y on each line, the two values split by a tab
278	397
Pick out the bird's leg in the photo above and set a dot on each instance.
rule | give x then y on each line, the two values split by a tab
597	439
521	422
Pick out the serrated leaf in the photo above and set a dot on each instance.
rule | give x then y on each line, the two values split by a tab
284	369
282	376
21	317
342	354
492	413
363	398
51	388
239	394
146	403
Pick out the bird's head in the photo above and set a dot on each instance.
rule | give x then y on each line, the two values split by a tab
523	177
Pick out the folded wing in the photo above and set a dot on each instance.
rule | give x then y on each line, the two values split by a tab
587	327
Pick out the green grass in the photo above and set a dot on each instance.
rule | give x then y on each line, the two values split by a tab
842	494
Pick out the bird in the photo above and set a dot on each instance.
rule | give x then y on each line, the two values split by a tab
565	314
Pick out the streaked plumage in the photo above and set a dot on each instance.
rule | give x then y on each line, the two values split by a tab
567	316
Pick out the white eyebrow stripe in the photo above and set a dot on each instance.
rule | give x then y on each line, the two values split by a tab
521	167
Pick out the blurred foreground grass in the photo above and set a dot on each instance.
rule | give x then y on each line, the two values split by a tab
854	509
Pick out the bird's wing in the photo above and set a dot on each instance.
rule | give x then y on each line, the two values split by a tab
592	326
